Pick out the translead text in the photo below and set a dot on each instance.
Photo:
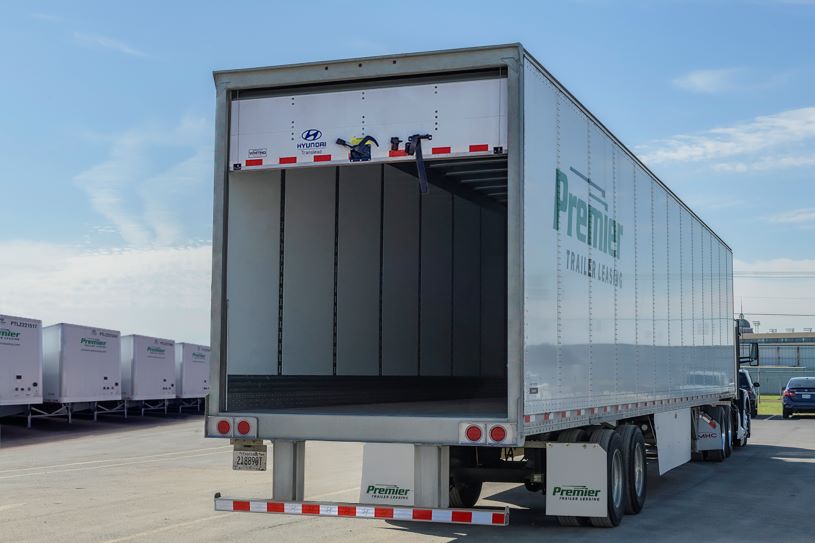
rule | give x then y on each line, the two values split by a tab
593	269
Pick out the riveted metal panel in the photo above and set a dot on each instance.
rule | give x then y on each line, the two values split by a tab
543	251
308	269
358	224
662	308
466	285
400	274
253	282
436	290
644	259
602	285
575	355
625	188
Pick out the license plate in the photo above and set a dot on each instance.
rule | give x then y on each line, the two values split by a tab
249	460
806	396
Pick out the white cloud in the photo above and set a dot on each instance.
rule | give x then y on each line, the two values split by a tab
710	81
794	216
137	200
156	291
766	163
105	42
793	129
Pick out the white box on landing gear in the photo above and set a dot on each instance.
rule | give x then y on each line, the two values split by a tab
148	368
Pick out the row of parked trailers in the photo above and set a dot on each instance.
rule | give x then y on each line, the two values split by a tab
64	368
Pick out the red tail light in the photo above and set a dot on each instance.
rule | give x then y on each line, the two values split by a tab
224	427
473	433
244	427
789	393
498	433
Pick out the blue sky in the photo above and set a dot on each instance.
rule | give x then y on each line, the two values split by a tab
107	111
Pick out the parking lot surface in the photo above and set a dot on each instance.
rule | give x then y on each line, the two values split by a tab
153	479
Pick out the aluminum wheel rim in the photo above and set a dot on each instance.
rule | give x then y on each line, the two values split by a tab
639	470
617	478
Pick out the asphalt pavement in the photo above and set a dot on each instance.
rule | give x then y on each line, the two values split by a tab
153	479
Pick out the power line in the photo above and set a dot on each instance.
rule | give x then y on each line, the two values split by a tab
778	314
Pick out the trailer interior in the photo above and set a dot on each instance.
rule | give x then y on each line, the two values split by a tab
364	296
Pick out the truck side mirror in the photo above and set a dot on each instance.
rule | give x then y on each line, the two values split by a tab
756	385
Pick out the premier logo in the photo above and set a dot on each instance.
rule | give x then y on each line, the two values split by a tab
585	222
388	491
576	493
199	356
92	342
156	350
5	333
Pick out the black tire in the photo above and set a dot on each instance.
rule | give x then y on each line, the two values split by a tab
464	493
573	435
727	427
786	413
634	463
612	443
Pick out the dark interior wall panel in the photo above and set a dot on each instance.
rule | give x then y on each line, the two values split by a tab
493	293
466	287
253	250
400	275
308	272
358	271
437	291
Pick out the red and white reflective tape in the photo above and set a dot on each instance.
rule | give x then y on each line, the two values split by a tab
285	160
481	517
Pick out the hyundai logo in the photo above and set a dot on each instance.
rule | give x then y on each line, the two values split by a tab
312	134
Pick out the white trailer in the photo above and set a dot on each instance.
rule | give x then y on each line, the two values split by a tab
20	364
148	372
191	374
81	367
447	257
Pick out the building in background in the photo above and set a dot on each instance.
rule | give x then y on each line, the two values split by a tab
781	356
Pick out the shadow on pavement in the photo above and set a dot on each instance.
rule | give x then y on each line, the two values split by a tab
13	431
716	501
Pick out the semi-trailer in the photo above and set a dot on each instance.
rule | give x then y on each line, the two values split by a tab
191	374
447	257
20	364
81	367
148	372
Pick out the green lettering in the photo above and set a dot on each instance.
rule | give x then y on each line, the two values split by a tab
582	219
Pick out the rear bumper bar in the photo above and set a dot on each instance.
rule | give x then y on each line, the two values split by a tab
481	517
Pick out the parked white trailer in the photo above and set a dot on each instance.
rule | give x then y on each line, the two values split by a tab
81	364
20	364
446	256
148	370
191	374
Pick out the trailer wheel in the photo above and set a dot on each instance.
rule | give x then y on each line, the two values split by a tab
612	443
464	493
635	467
573	435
